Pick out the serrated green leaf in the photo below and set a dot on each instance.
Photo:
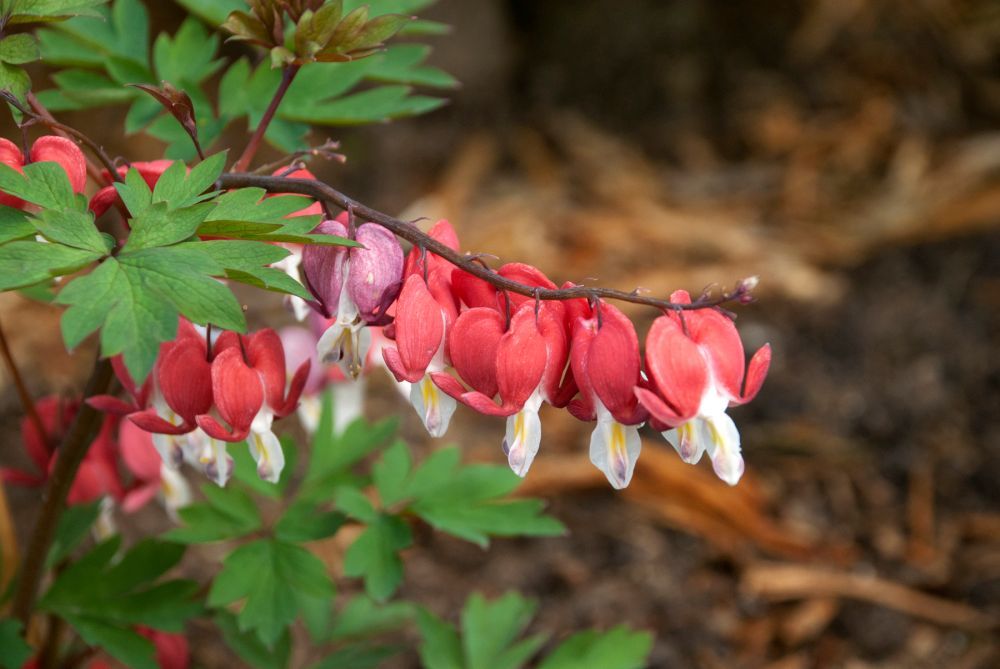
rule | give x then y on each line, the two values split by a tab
619	648
402	64
304	521
23	263
391	472
247	262
360	656
74	524
213	12
362	618
440	647
272	577
374	556
123	644
490	628
250	648
44	184
71	228
14	224
179	189
19	49
188	56
14	651
41	11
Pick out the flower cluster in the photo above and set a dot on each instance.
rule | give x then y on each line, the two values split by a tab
99	476
206	392
455	338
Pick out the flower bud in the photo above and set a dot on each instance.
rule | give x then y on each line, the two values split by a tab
375	273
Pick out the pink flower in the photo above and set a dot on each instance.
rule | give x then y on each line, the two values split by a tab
50	148
249	392
355	287
152	476
523	363
420	330
604	361
697	369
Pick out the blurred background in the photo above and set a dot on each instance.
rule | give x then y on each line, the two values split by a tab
848	152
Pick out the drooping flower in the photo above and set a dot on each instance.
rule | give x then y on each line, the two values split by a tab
355	287
522	362
249	392
291	263
697	370
604	360
420	328
50	148
97	476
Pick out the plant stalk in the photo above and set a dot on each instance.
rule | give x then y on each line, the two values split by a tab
287	76
71	453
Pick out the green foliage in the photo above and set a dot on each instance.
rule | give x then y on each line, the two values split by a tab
489	633
103	54
73	526
103	597
226	513
276	580
14	652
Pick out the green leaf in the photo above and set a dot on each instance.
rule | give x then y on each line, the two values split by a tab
126	592
273	578
74	524
37	11
251	649
489	629
72	228
363	618
158	225
245	469
353	502
180	189
14	652
247	262
135	299
14	224
361	656
374	556
401	64
440	647
619	648
304	521
390	473
188	57
378	104
19	49
130	648
213	12
23	263
44	184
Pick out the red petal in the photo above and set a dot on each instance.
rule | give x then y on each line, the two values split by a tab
266	355
217	430
185	379
521	358
238	392
294	390
444	233
551	323
395	364
531	276
613	363
10	155
149	421
676	366
138	497
67	154
110	404
658	409
717	336
419	327
473	344
449	384
103	200
138	452
472	291
756	372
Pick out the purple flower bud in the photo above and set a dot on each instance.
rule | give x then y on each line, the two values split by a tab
323	267
376	273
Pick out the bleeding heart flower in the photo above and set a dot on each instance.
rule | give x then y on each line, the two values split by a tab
605	362
522	362
355	287
420	330
697	369
153	477
249	390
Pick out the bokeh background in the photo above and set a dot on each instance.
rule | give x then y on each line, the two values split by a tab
848	152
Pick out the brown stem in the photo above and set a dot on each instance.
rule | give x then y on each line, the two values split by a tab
22	389
471	264
71	453
287	76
